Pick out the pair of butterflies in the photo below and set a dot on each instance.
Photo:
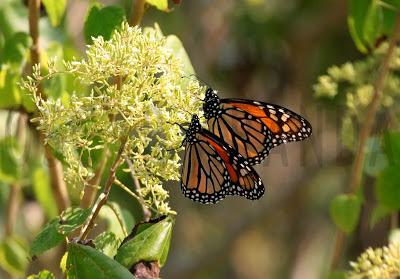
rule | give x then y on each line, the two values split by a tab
218	162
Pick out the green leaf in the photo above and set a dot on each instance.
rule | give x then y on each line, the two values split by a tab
13	255
375	160
373	23
358	10
150	244
10	160
387	188
392	147
102	21
72	218
345	211
85	262
55	9
107	243
57	229
44	274
10	95
179	51
43	193
16	48
48	238
162	5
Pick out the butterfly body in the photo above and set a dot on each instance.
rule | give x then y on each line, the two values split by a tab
212	169
253	128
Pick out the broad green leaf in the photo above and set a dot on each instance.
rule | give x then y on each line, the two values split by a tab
10	95
345	211
388	188
13	255
392	148
27	101
375	160
179	51
85	262
10	160
57	229
107	243
102	21
159	4
55	9
43	193
48	238
16	48
44	274
72	218
150	244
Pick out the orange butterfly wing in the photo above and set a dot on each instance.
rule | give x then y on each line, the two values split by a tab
212	170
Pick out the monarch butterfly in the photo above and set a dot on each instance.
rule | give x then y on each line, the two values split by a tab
212	169
251	127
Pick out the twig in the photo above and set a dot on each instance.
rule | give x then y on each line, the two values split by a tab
91	189
356	174
58	185
137	12
106	191
136	183
15	188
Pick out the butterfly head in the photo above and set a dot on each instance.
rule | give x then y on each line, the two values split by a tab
194	127
211	104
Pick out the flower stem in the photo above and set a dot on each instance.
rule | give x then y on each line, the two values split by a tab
137	12
102	199
356	174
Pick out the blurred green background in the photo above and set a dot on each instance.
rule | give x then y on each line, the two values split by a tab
266	50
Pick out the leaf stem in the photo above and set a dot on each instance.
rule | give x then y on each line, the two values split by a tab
356	174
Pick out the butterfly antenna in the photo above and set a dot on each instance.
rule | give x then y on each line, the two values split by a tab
197	78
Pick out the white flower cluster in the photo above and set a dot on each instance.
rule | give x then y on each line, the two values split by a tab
136	93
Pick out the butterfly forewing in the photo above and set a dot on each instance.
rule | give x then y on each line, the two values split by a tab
253	128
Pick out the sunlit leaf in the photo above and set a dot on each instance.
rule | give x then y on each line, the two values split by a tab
16	48
55	9
43	192
84	262
373	23
378	213
392	147
102	21
159	4
179	52
114	224
107	243
345	212
10	95
44	274
336	275
10	160
358	10
150	244
48	238
13	255
57	229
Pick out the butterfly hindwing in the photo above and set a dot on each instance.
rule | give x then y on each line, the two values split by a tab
212	169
